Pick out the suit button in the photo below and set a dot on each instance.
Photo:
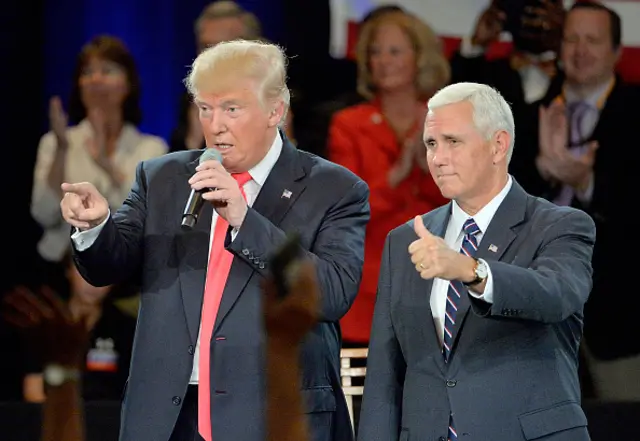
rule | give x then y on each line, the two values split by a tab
176	400
191	349
245	252
261	266
442	438
451	383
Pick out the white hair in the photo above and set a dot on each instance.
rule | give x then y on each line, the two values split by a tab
491	112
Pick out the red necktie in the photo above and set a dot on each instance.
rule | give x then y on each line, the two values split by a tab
217	272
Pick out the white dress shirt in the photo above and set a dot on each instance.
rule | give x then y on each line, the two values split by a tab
84	239
453	237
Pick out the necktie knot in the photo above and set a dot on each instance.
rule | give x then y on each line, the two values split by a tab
577	108
470	227
242	178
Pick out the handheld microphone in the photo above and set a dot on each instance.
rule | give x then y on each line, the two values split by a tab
194	203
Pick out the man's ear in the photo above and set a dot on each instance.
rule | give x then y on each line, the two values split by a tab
276	113
500	146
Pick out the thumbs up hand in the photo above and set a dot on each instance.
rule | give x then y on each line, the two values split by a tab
432	257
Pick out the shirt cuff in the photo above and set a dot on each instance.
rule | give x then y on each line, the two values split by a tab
487	295
468	50
82	240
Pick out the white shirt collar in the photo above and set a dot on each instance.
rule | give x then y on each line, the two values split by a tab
261	170
592	99
482	217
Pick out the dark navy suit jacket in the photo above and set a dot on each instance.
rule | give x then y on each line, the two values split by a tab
512	373
328	207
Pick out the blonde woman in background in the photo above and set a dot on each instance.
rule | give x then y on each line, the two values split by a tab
400	65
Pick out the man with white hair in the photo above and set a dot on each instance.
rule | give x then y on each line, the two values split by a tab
198	367
479	312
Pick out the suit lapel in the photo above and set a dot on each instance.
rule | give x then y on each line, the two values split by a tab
283	185
193	250
499	235
282	188
495	241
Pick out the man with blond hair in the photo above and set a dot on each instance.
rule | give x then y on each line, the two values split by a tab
222	20
198	368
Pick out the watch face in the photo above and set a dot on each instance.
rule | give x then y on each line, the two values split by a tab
54	375
481	270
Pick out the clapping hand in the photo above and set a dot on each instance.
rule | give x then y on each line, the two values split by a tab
555	161
58	121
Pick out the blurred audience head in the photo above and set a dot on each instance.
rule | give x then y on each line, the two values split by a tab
225	20
397	51
105	78
535	25
241	92
591	44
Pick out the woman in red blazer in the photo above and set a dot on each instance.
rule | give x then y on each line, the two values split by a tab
400	65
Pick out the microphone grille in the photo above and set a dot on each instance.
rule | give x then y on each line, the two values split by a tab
210	154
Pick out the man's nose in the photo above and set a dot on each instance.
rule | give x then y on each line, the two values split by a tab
217	125
439	156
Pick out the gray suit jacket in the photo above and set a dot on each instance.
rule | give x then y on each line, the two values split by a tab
512	374
145	236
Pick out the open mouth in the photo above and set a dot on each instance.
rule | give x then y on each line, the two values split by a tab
222	147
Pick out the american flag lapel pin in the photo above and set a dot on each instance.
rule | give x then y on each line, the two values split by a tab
286	194
493	248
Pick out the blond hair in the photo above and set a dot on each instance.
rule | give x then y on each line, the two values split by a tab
230	9
218	68
433	70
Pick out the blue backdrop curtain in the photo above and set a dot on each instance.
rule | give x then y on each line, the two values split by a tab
159	33
39	42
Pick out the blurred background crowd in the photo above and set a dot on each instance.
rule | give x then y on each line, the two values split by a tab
91	89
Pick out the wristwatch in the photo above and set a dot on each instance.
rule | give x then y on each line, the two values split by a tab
57	375
481	272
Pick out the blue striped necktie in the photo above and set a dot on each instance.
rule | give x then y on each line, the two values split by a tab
469	247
